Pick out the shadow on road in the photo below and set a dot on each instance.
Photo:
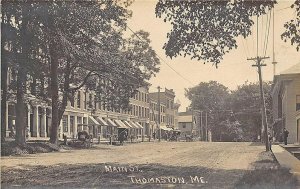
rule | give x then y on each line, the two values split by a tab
268	176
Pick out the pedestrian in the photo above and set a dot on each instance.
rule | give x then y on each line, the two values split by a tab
154	135
285	136
122	137
270	141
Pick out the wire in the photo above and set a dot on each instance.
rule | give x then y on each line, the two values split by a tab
267	35
162	59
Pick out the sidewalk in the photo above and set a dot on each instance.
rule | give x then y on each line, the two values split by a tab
287	160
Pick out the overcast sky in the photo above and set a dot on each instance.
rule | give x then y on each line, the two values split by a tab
234	70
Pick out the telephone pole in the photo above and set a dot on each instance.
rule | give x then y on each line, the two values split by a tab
258	64
206	132
158	102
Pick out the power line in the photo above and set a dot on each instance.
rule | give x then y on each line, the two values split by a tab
267	35
163	59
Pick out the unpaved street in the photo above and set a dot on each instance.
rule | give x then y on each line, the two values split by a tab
143	165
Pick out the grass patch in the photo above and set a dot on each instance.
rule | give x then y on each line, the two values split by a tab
267	174
13	148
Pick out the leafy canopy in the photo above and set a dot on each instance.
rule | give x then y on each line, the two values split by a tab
207	30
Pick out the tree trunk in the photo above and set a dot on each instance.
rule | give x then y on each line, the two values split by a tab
54	91
22	61
4	70
64	103
20	108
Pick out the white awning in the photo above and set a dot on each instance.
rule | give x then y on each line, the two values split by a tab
101	121
111	123
139	125
127	124
93	121
120	124
133	125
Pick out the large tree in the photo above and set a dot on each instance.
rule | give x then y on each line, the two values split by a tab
212	98
19	53
292	27
246	105
83	44
207	30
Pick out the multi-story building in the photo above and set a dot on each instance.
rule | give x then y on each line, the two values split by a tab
168	110
83	112
286	103
86	112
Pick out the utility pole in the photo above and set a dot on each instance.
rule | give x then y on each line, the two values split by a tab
274	61
158	102
258	64
201	126
206	132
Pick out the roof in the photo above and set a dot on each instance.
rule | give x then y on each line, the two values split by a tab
186	119
292	70
185	113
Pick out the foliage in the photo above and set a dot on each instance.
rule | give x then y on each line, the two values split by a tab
207	30
80	44
245	102
227	130
208	96
292	28
233	115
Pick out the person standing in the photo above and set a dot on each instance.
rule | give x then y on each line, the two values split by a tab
285	136
154	135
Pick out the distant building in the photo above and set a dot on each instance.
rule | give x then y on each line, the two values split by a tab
286	103
186	123
168	110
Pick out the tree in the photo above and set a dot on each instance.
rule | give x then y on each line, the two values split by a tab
208	96
292	28
211	97
207	30
19	54
247	108
83	44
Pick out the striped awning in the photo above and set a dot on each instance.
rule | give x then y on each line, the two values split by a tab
133	125
120	124
101	121
127	124
139	125
111	123
93	121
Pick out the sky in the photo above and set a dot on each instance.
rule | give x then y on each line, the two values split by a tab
233	70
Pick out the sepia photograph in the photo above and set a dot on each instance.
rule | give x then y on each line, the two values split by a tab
150	94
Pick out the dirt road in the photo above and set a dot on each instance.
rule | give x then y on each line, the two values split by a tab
143	165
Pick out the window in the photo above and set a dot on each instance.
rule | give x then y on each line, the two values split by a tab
65	123
79	120
78	99
85	99
71	124
90	101
84	120
140	112
95	102
72	101
298	102
183	125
